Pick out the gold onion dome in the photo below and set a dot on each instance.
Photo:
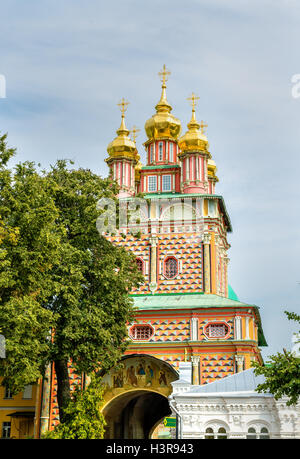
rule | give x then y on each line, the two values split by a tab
194	139
212	169
163	124
122	146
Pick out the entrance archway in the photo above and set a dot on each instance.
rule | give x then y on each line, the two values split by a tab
133	415
136	396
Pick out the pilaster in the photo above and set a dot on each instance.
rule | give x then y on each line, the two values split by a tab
153	263
195	364
207	267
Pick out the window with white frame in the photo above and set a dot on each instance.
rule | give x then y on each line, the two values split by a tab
6	427
166	182
7	393
160	151
151	153
152	183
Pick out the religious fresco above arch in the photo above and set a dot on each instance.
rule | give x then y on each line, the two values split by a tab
139	371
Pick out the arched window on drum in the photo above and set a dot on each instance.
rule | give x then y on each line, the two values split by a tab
140	265
171	267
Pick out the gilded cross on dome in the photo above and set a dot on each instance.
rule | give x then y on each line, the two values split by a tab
123	106
134	132
193	100
164	75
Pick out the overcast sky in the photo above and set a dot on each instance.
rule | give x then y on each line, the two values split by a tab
67	64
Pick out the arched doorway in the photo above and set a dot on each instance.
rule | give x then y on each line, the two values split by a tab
133	415
136	396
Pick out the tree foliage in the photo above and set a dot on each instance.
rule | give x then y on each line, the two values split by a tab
83	417
63	287
282	373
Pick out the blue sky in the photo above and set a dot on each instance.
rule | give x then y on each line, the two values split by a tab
68	63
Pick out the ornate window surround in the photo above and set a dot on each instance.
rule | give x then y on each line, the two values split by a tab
169	257
132	332
217	322
142	264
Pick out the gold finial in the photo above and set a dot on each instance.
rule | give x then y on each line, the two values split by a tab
164	73
193	100
163	105
123	106
134	132
202	127
193	124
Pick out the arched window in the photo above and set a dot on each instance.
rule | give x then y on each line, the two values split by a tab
209	434
171	267
140	264
251	433
222	434
264	433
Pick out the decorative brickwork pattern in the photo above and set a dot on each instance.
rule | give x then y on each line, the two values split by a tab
170	330
215	367
186	248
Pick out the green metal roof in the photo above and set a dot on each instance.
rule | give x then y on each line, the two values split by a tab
185	301
194	301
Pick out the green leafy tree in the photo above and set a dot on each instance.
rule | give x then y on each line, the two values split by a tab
83	417
63	287
282	373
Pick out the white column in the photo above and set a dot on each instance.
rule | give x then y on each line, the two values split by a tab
238	327
123	174
194	328
195	363
192	168
240	362
187	169
247	334
201	168
181	174
206	245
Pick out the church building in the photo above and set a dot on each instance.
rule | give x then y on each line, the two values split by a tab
187	313
192	341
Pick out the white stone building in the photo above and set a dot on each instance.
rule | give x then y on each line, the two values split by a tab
231	408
